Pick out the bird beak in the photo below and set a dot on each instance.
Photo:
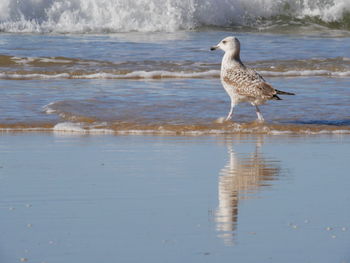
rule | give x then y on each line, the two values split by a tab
214	48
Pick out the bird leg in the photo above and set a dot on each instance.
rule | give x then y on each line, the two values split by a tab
260	116
229	116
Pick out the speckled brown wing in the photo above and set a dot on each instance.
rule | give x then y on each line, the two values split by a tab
249	83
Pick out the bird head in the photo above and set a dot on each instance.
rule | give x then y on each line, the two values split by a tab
228	44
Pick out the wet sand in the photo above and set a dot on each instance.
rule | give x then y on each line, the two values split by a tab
67	198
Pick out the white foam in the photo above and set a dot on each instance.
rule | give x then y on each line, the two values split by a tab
84	16
341	74
24	61
78	128
69	127
162	74
150	75
341	132
33	76
54	60
47	108
103	75
276	132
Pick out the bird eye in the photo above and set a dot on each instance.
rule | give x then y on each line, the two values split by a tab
224	42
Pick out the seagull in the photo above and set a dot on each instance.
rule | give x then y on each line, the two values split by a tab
241	83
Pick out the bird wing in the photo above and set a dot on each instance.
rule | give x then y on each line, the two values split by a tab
248	82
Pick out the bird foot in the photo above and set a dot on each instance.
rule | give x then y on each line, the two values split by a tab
220	120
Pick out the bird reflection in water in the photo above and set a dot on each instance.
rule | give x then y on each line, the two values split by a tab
243	175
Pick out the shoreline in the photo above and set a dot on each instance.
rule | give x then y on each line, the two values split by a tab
253	128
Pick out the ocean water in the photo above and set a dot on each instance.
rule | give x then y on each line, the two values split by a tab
127	67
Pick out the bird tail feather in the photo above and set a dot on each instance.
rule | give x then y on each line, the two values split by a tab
275	97
284	92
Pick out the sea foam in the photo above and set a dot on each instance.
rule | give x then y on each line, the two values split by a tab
84	16
78	128
159	74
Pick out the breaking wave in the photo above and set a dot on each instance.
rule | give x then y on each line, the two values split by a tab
96	16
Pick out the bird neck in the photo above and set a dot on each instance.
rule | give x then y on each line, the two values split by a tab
232	58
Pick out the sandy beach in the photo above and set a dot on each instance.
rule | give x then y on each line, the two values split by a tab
74	198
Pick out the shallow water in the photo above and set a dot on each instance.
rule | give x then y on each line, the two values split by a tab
169	83
174	199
